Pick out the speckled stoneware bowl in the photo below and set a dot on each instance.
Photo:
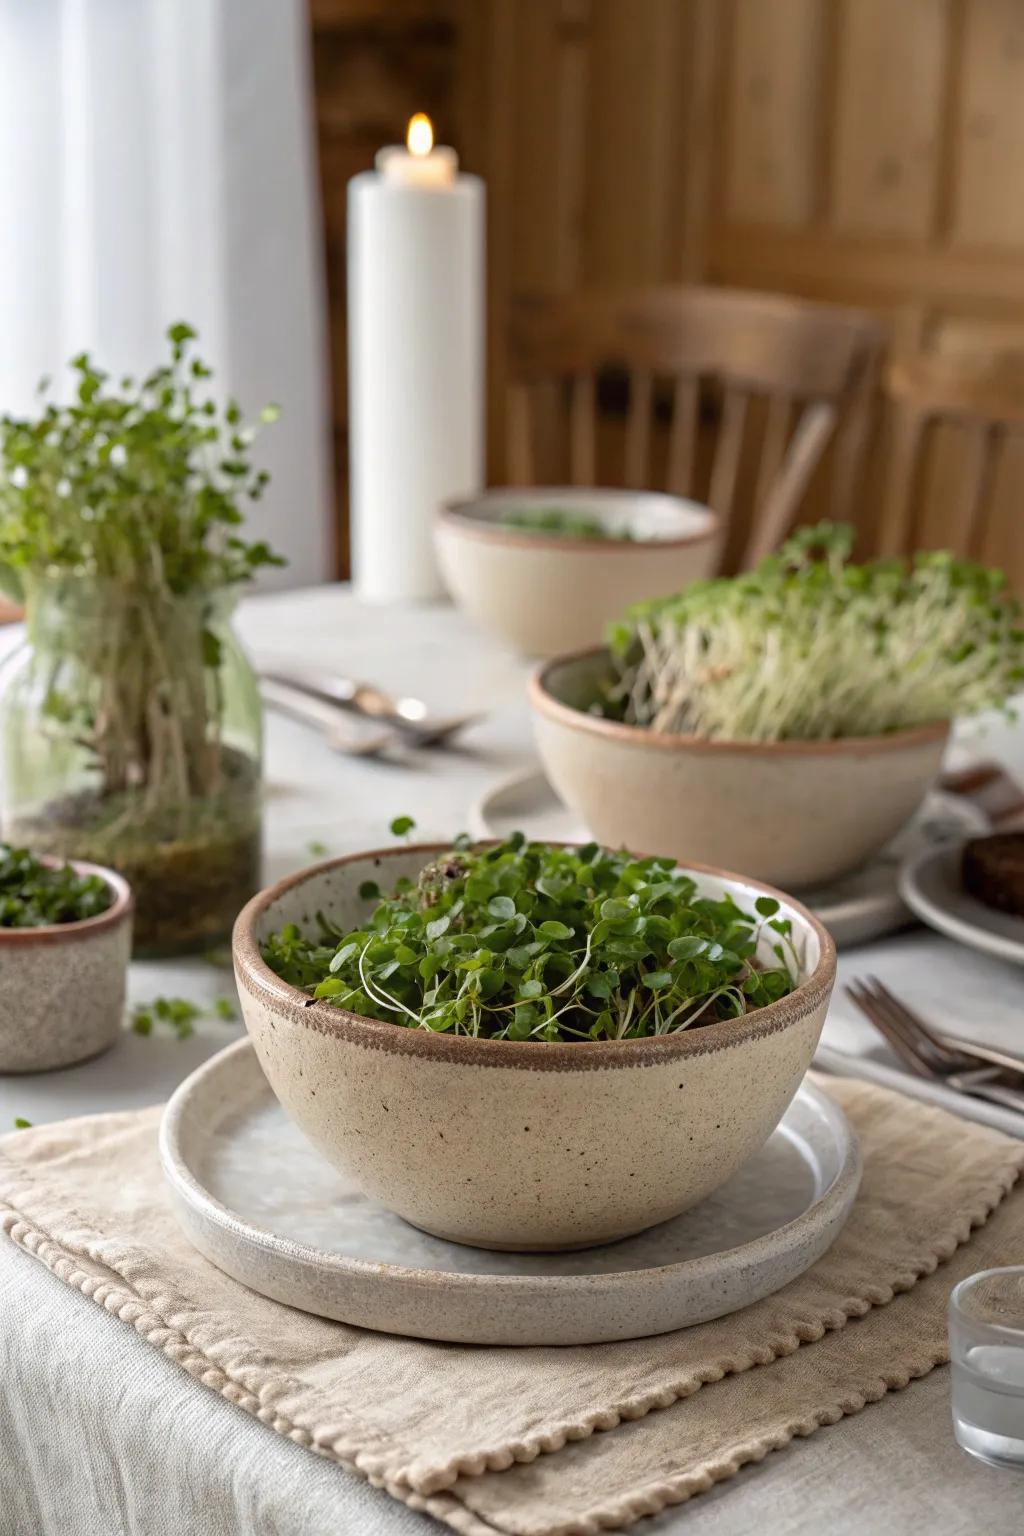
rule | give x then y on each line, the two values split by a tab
62	987
544	592
522	1146
797	813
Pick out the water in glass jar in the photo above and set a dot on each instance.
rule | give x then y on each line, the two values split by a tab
988	1403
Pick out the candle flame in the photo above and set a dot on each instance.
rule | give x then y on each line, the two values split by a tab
420	134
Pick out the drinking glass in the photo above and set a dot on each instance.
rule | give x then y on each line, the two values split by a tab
986	1346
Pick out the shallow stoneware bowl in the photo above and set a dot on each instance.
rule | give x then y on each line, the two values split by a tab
62	987
797	813
545	593
512	1145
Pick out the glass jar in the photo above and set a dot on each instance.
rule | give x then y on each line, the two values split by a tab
131	735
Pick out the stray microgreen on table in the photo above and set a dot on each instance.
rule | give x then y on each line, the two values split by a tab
179	1014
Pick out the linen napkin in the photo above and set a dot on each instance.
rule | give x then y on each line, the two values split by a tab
542	1442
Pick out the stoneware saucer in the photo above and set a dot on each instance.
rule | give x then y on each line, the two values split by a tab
258	1201
859	907
932	887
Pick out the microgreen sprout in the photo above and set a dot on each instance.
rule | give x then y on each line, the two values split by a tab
21	1124
533	942
809	646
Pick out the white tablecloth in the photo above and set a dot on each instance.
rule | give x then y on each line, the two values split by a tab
100	1434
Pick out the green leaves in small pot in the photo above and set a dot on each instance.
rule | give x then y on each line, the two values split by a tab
34	895
525	941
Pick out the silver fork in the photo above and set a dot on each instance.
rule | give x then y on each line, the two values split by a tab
927	1053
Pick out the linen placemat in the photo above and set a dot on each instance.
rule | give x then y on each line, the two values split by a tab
501	1440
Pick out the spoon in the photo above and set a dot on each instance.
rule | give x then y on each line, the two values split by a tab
325	718
408	717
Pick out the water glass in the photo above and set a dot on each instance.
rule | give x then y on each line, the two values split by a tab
986	1346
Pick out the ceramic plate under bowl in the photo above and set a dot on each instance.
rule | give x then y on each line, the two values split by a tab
861	906
257	1200
932	887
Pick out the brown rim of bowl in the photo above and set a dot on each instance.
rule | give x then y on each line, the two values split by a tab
60	933
253	973
544	702
456	515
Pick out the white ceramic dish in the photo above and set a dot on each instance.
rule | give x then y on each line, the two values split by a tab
544	592
931	886
256	1198
861	906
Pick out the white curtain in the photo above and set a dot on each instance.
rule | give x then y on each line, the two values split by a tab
157	163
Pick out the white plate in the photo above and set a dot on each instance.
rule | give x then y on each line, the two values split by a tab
263	1205
861	906
932	888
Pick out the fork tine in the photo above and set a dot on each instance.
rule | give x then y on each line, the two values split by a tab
905	1012
903	1047
885	1007
913	1023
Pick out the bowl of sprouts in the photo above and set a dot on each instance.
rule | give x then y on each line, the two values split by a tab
786	722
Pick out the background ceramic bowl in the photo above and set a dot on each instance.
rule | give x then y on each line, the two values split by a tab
522	1146
796	813
62	987
546	593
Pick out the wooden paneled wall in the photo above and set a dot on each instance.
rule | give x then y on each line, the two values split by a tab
861	151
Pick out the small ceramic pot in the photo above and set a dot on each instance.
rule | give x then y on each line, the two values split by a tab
62	987
522	1145
797	813
545	593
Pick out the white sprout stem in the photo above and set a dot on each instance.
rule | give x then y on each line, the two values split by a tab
384	999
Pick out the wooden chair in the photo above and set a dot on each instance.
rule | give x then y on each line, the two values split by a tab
982	397
811	364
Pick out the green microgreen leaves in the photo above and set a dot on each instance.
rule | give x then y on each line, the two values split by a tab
570	525
34	895
524	941
137	481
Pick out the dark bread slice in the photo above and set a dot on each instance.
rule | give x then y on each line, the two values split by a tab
993	871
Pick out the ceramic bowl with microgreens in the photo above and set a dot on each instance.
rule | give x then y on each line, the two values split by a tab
787	722
531	1046
546	569
65	942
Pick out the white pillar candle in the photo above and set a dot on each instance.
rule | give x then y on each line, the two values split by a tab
416	359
